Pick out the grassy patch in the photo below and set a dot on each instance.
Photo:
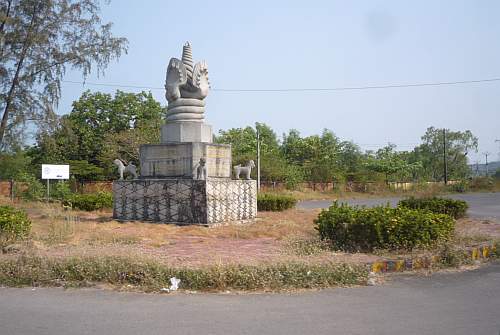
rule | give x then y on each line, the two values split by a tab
305	246
109	238
151	276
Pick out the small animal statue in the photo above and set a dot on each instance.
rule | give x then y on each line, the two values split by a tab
201	170
245	170
131	168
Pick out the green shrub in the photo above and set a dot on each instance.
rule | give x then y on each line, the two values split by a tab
454	208
28	187
14	224
60	190
90	202
275	202
365	229
460	187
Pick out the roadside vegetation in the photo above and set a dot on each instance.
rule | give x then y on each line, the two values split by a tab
101	127
382	227
454	208
275	202
283	250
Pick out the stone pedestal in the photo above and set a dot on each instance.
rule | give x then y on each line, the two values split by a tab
185	201
186	132
182	159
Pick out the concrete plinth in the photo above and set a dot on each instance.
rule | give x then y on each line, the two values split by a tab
186	132
184	201
182	160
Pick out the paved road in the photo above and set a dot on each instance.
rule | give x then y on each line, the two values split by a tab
459	304
481	205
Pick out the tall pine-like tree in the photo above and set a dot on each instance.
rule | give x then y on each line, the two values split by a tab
39	41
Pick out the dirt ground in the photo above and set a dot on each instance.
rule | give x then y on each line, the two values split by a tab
272	237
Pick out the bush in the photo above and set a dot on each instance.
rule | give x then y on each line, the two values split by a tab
60	190
461	187
365	229
14	224
275	202
90	202
454	208
29	187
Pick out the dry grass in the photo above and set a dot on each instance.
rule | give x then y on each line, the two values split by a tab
287	236
379	193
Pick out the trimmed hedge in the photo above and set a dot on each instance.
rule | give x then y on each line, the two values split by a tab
275	202
91	201
14	224
454	208
365	229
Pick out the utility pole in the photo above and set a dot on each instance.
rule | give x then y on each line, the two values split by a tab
258	157
444	158
486	154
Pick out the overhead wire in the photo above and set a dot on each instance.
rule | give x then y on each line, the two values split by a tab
311	89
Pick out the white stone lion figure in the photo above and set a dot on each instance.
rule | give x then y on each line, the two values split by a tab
122	168
201	171
244	170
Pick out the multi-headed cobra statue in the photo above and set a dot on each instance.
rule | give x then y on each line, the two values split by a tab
186	86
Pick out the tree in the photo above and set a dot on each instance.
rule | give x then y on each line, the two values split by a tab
391	163
243	143
13	163
39	41
244	148
458	145
319	156
100	128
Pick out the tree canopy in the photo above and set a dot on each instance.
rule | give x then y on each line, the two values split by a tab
39	41
100	128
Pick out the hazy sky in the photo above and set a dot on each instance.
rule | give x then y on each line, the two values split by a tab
322	44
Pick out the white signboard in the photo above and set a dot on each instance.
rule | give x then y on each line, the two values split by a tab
50	171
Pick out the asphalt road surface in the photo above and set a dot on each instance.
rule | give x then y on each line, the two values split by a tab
446	303
481	205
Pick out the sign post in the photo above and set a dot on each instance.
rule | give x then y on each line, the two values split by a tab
51	171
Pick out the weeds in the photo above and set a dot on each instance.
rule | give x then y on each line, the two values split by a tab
62	231
152	276
110	238
305	247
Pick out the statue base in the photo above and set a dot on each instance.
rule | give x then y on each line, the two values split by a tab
186	131
185	201
182	160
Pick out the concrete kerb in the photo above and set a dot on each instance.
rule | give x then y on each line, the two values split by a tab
416	263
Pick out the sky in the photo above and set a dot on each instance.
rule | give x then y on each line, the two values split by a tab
320	44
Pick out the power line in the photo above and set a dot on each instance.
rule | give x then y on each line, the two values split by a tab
319	89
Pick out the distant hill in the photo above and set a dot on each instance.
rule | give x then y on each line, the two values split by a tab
480	169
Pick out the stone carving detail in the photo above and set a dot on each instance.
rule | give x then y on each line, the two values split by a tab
185	201
186	86
201	170
245	170
122	168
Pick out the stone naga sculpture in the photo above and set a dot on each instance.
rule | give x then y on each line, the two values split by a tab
122	168
186	86
245	170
